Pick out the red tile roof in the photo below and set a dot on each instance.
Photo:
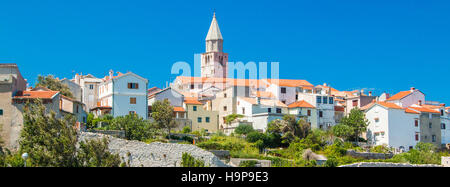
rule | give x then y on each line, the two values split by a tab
247	82
37	95
290	83
264	94
301	104
425	110
409	110
389	105
384	104
399	95
192	101
178	109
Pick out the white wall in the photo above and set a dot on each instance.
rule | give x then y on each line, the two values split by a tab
122	94
398	127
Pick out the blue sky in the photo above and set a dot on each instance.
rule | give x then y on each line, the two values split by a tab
381	45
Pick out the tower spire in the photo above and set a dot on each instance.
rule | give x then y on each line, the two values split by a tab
214	31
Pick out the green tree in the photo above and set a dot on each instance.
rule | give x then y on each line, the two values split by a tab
89	121
289	128
342	131
49	141
423	153
189	161
53	84
357	121
135	127
244	129
162	113
95	153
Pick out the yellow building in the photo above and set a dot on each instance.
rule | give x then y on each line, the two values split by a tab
201	117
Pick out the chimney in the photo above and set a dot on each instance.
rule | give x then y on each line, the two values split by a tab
370	93
412	89
443	104
420	102
111	74
388	96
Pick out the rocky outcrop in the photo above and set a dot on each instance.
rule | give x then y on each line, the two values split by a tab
140	154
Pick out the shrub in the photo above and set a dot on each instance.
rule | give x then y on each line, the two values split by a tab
186	129
331	162
244	129
248	163
189	161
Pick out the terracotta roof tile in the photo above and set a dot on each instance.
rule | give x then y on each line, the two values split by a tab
192	101
301	104
178	109
37	95
399	95
389	105
409	110
264	94
424	109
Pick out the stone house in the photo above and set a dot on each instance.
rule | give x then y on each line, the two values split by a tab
201	116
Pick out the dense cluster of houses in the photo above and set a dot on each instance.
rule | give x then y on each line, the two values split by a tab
399	121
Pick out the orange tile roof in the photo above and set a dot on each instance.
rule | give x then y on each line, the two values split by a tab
291	83
37	95
399	95
247	82
264	94
227	81
409	110
425	110
389	105
384	104
192	101
178	109
301	104
432	106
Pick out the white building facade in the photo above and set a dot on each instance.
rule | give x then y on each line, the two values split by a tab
392	126
125	94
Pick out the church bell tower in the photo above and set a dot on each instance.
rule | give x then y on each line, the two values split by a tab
214	60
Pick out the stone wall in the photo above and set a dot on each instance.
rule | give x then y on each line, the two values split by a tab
115	133
367	155
235	162
387	164
140	154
